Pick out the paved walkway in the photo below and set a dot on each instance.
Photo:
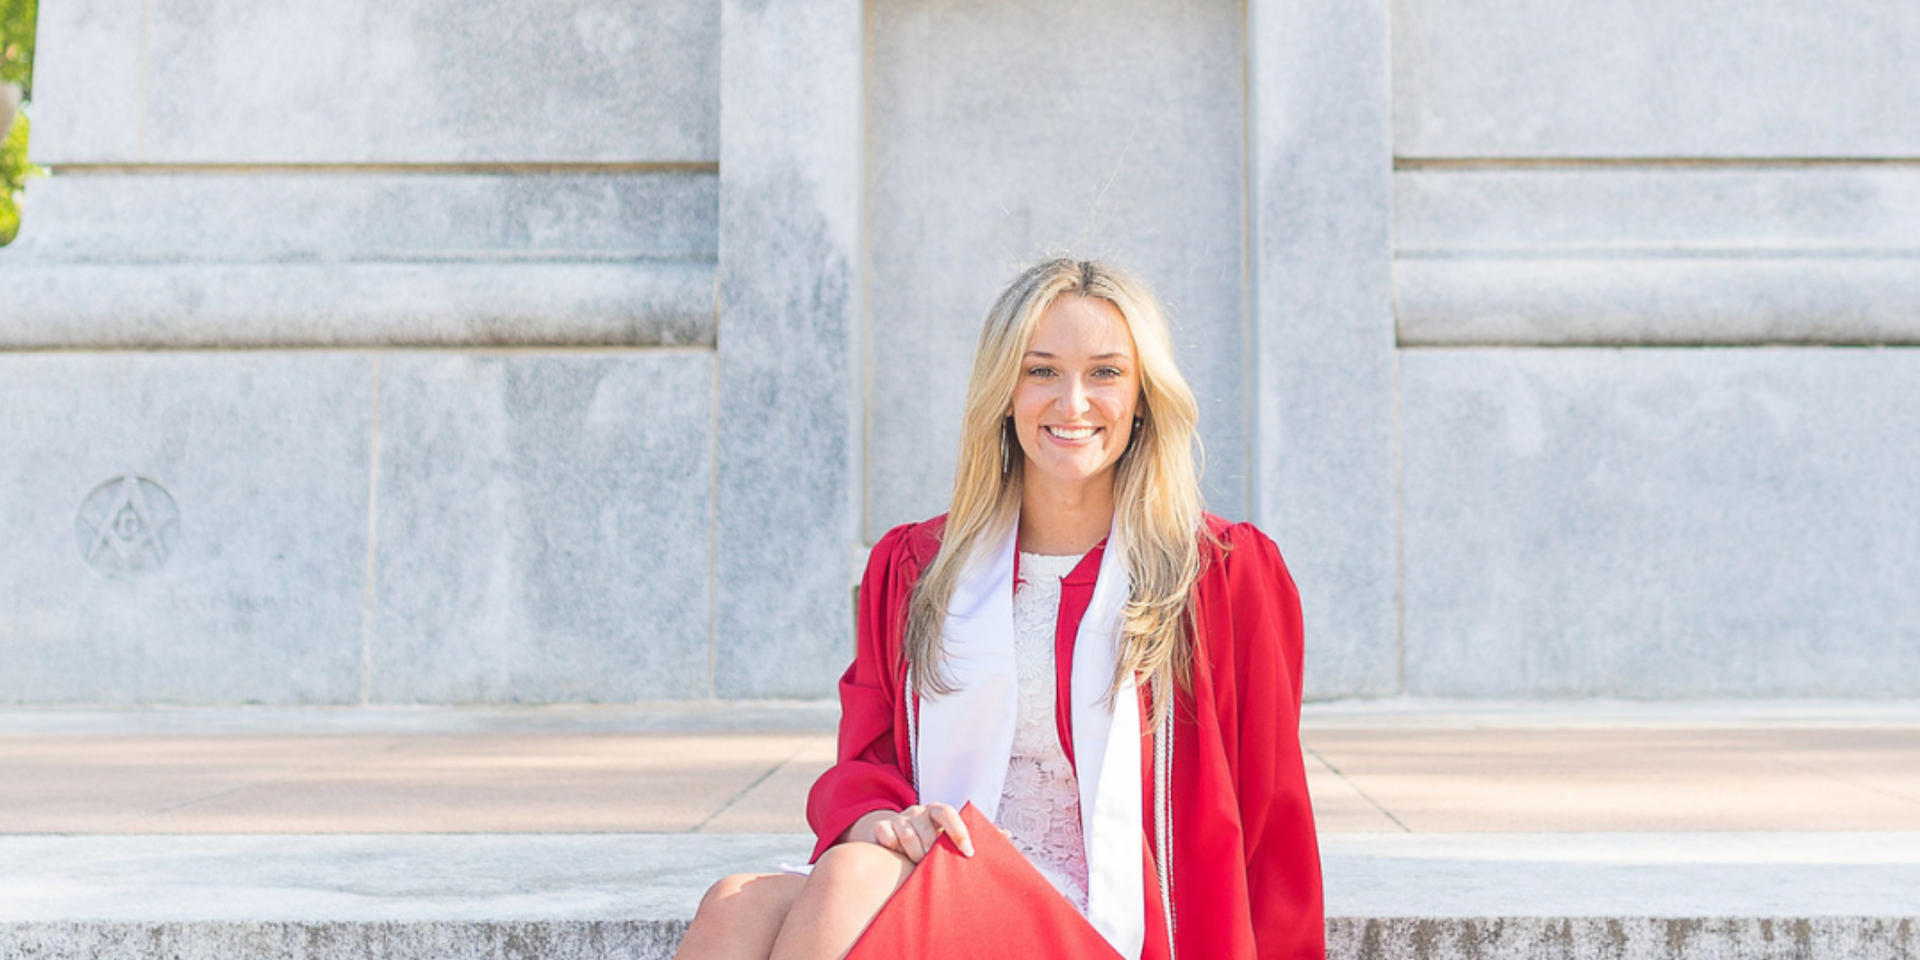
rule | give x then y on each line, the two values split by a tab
1372	768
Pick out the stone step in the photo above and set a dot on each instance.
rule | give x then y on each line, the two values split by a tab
1589	896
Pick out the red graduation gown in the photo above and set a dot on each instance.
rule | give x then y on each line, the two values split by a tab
1246	867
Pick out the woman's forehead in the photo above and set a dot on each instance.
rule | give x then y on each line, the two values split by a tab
1082	326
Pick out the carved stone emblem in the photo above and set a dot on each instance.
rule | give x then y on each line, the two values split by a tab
127	527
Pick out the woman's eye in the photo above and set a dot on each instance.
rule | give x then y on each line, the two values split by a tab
1107	372
1040	371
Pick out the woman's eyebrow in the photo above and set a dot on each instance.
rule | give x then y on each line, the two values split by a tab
1044	355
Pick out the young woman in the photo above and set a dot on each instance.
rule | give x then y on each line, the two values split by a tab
1107	673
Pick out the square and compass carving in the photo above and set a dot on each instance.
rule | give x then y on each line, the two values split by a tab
127	527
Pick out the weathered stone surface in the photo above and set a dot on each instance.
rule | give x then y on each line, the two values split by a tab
1395	938
1323	339
789	388
992	144
1621	938
346	940
502	303
87	81
1797	875
420	81
1669	300
290	218
260	595
1827	254
1655	523
542	526
1648	78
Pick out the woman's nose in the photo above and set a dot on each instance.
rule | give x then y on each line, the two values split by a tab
1075	397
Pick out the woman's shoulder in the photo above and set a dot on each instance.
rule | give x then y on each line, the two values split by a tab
910	545
1226	537
1240	552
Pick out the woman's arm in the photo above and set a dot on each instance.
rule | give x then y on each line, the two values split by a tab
869	777
1282	854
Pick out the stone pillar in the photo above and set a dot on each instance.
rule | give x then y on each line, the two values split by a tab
1323	328
789	351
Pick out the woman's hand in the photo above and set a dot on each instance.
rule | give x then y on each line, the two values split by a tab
912	832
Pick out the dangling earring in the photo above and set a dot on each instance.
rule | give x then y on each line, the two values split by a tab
1134	437
1006	457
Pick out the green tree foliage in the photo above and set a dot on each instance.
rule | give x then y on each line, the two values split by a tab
16	42
14	171
16	67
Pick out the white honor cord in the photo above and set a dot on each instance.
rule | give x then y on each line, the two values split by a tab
1163	818
913	730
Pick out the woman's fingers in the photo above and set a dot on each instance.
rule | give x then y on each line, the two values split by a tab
948	819
913	843
884	835
913	832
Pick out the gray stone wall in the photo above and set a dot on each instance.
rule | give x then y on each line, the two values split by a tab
440	352
1657	271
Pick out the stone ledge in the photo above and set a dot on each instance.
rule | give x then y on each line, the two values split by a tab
1621	938
1348	938
1588	896
501	303
1603	301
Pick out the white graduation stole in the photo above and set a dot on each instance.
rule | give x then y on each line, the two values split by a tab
966	737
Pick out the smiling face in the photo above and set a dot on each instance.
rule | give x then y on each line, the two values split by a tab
1078	391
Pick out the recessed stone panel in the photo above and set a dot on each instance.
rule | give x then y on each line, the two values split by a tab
1655	78
994	139
183	528
542	527
1661	522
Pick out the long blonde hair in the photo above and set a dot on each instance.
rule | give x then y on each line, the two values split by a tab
1157	506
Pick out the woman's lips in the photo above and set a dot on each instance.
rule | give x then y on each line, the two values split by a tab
1072	434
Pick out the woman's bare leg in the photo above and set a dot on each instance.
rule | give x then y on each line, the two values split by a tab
740	916
849	885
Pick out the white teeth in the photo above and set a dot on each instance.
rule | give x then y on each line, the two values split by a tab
1075	433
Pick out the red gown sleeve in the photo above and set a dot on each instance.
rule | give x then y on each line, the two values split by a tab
1282	854
870	773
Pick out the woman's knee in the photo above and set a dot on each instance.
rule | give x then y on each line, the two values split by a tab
750	896
861	870
739	917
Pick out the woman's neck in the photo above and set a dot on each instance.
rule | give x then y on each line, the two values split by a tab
1065	521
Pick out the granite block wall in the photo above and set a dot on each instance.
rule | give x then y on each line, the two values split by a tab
442	352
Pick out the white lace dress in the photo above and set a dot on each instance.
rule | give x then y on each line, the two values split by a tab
1040	804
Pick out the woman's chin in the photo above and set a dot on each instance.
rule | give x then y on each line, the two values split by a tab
1068	472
